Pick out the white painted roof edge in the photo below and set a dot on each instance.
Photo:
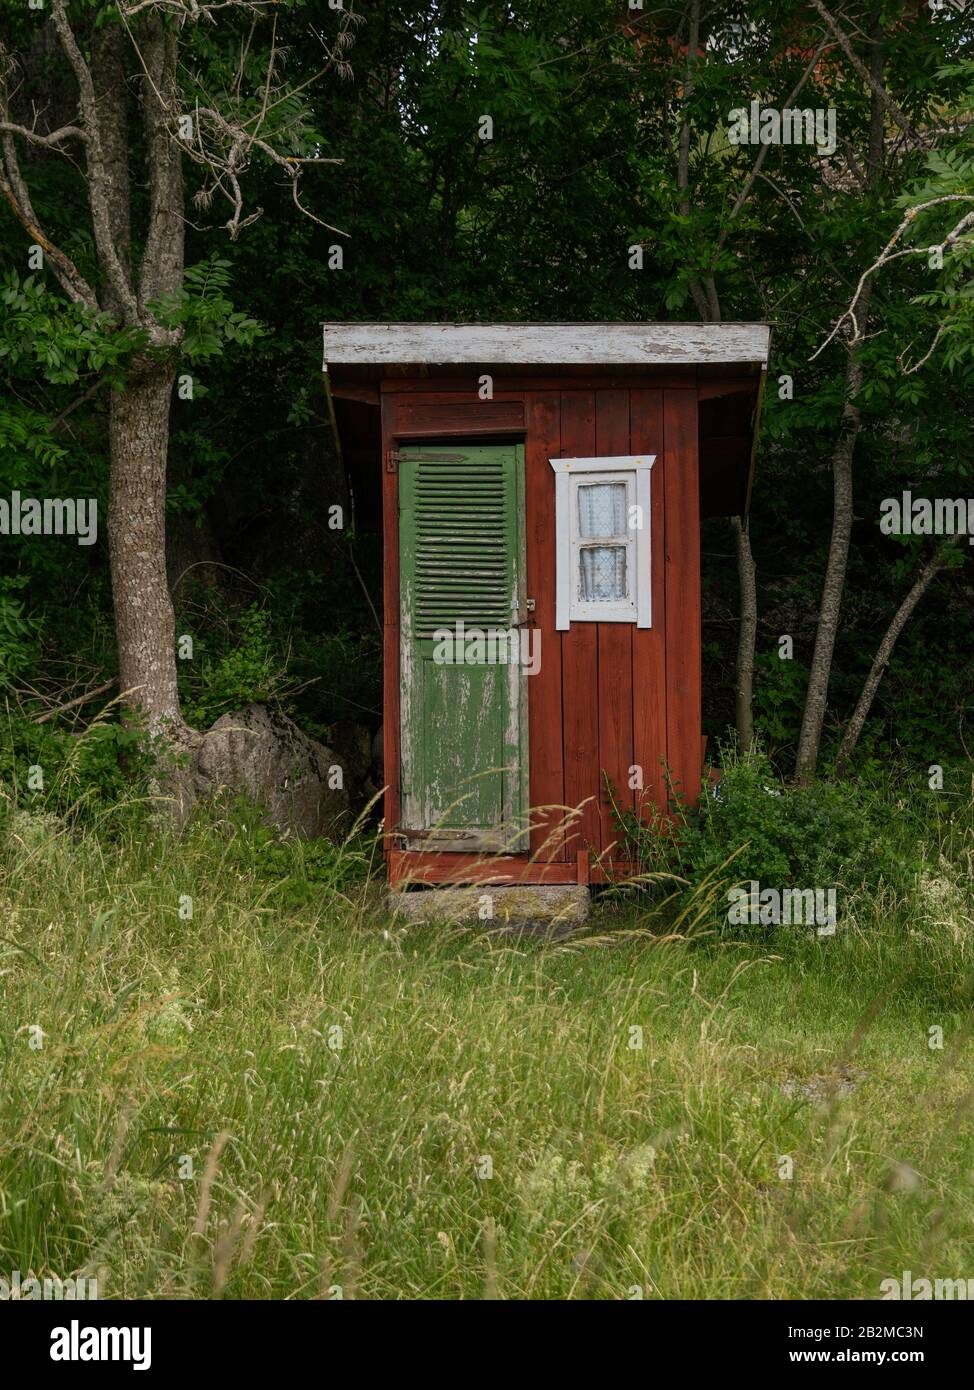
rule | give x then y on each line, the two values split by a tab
546	344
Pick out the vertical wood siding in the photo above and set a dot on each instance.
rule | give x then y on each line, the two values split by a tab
614	692
546	784
683	660
649	694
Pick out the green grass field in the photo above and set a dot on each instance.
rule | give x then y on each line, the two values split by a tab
305	1100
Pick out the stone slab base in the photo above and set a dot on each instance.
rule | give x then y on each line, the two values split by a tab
538	909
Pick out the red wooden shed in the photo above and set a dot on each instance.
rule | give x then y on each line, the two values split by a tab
543	486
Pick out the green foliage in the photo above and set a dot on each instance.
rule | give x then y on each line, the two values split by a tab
752	826
205	312
286	648
18	632
297	873
949	187
42	334
824	835
245	668
85	775
779	697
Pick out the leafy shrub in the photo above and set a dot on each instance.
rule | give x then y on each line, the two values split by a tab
273	651
779	698
752	826
823	834
18	632
243	668
82	775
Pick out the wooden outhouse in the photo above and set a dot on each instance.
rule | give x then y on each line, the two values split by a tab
542	492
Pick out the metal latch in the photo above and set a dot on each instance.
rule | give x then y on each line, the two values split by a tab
529	607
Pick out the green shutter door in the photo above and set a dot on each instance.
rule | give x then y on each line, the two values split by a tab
463	725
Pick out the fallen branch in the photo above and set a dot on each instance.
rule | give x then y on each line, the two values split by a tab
78	700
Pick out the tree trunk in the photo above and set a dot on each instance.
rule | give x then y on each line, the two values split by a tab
144	622
747	635
881	660
816	697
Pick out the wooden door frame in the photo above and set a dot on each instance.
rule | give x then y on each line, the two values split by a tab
513	789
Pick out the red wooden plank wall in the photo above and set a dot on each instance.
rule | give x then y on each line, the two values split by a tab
683	658
648	644
546	778
608	697
614	693
579	661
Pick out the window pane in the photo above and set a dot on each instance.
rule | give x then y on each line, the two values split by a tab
602	510
603	572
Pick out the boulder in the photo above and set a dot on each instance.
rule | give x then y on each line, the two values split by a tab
261	754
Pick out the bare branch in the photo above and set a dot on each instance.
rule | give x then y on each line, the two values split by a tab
763	151
921	584
877	88
223	145
58	423
78	700
850	317
908	371
192	10
56	137
14	189
17	194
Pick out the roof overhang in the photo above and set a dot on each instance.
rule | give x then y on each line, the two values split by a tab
725	362
546	344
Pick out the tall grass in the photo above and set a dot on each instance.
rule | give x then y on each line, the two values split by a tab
292	1095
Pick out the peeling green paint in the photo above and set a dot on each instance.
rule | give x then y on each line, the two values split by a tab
463	723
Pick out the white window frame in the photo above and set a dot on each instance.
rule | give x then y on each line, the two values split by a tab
570	474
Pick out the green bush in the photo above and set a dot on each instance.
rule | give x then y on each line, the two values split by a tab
752	826
270	653
824	834
244	668
18	632
45	768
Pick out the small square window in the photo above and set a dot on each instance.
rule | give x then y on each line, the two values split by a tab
602	546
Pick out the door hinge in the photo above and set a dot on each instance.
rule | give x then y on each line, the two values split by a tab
394	458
